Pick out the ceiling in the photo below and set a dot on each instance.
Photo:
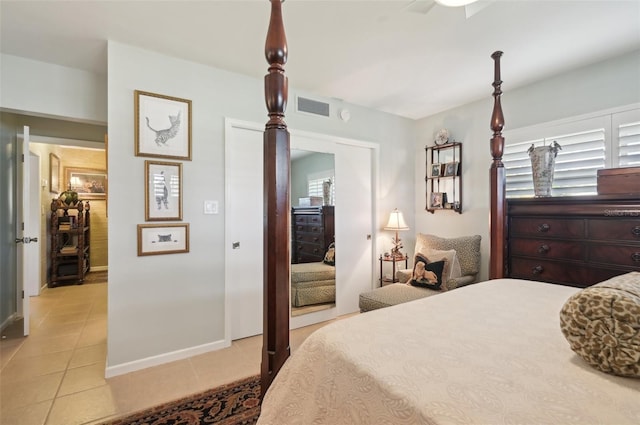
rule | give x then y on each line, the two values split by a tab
410	58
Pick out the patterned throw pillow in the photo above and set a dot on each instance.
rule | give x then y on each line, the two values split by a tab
602	324
427	274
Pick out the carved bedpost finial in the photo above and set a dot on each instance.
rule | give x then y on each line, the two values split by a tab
276	84
497	119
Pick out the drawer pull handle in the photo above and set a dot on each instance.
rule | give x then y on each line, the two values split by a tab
635	257
543	249
636	231
537	270
544	228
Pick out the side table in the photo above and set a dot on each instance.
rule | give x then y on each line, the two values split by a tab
393	261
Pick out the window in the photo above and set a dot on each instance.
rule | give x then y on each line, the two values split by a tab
627	126
587	145
315	184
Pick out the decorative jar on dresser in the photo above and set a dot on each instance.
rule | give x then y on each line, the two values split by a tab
573	240
312	231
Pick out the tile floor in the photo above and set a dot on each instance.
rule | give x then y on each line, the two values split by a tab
56	375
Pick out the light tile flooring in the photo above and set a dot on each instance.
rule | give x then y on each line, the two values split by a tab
55	376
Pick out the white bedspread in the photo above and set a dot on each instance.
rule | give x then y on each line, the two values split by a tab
489	353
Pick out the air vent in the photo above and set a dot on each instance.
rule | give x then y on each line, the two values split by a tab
313	107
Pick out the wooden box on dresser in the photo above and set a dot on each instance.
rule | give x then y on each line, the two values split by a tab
312	231
576	241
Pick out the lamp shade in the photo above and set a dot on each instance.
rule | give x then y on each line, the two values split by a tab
396	221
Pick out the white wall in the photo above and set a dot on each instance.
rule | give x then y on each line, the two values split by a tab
171	306
52	90
609	84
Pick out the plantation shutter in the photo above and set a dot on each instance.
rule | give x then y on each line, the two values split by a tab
314	185
576	165
627	128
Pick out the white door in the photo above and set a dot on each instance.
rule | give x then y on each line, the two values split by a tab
28	264
354	225
244	231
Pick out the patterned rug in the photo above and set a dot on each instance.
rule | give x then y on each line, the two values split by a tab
237	403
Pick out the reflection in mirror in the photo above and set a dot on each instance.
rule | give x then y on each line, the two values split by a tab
313	283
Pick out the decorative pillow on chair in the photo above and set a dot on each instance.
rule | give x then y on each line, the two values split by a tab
452	268
330	256
427	274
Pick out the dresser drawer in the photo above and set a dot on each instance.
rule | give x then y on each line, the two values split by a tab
313	238
566	273
547	227
623	255
308	251
308	219
308	228
548	271
617	230
547	248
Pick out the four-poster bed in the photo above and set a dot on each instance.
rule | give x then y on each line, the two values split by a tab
491	352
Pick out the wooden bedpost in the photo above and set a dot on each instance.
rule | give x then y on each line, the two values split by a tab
497	180
275	337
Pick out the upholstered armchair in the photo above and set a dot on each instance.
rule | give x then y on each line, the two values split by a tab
467	250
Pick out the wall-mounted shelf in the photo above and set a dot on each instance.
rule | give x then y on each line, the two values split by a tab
444	177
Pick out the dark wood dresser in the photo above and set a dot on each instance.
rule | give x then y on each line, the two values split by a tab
312	231
576	241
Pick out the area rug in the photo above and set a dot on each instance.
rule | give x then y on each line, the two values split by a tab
237	403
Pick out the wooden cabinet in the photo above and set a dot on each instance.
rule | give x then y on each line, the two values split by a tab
312	231
576	241
70	228
444	177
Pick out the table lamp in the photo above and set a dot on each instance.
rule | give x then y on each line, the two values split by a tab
396	222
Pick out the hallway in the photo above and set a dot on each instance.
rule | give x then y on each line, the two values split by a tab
56	375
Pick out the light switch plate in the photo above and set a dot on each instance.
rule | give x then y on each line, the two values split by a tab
211	207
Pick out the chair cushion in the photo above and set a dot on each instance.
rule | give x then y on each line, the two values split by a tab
396	293
602	324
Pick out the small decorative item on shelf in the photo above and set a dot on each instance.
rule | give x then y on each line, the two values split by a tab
68	197
451	169
442	137
438	199
542	165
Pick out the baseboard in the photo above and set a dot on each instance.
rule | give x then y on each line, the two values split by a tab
135	365
8	321
99	269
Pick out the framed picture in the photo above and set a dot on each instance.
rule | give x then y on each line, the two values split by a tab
436	170
89	183
438	199
451	169
162	191
54	173
162	126
157	239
